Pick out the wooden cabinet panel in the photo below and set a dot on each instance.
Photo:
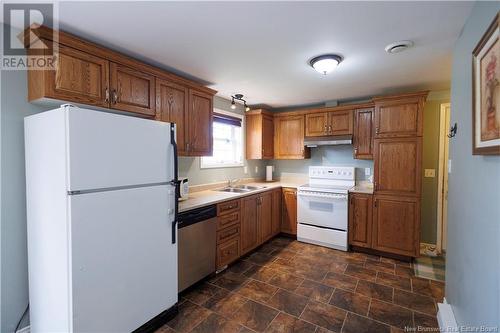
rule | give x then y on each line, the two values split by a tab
228	206
132	90
340	123
396	225
289	138
259	135
316	124
228	233
228	219
200	124
78	77
249	223
397	166
276	219
289	211
399	118
360	219
228	252
363	134
171	106
265	216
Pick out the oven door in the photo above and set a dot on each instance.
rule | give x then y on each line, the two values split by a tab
328	210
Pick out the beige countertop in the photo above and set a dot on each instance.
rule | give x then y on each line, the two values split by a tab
210	197
366	188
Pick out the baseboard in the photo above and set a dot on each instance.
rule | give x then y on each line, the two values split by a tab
446	318
25	329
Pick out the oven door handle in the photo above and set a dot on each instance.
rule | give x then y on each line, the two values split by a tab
328	196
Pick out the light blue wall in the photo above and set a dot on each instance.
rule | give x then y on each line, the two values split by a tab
326	155
473	252
190	166
14	265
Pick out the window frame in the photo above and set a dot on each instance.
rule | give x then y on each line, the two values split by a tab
243	146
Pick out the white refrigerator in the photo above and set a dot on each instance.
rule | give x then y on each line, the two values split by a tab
101	209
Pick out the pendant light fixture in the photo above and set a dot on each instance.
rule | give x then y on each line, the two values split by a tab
326	63
238	97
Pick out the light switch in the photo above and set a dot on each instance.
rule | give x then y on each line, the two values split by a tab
245	169
368	171
256	169
430	173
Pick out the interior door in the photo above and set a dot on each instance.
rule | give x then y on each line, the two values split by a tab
124	267
132	90
108	150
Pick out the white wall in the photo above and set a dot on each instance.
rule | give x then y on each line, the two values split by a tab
473	254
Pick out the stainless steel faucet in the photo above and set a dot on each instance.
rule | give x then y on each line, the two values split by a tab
232	182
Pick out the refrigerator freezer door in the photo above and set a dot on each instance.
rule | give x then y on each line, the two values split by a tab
108	150
124	267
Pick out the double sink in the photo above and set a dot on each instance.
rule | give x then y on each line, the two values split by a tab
241	188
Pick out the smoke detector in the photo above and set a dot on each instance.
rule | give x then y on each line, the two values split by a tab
400	46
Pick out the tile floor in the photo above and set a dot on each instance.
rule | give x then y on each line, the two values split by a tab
288	286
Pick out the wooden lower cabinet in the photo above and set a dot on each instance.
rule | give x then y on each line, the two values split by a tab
396	225
276	219
289	211
360	219
228	252
265	218
228	232
249	223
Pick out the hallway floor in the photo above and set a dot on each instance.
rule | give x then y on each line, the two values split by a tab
288	286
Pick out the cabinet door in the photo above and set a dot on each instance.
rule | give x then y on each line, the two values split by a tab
131	90
289	138
316	124
78	77
267	137
399	118
363	134
398	166
199	139
360	220
276	220
289	212
396	225
171	106
265	216
340	123
249	219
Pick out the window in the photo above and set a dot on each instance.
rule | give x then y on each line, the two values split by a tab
228	142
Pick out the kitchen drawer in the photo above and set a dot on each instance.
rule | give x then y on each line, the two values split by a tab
227	252
228	206
228	233
228	219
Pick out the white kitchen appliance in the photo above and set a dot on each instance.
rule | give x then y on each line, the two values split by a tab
183	188
322	206
101	208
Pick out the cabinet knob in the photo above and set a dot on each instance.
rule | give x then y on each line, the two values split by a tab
115	97
106	95
377	130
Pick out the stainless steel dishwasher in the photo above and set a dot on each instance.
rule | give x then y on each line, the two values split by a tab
197	242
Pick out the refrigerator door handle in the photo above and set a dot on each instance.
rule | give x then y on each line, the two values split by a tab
175	182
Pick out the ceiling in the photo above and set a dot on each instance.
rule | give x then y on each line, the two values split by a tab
262	49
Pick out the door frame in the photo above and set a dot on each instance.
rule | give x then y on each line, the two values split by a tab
444	123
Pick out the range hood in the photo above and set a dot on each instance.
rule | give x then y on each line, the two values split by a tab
328	141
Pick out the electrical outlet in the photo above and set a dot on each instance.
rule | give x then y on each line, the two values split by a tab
449	166
368	171
245	169
430	173
256	169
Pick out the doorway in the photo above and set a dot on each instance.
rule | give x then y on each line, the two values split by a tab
443	170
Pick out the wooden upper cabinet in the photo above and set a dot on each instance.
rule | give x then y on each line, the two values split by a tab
78	77
328	123
276	219
289	211
396	225
259	135
360	219
265	203
289	138
171	106
132	90
400	116
340	122
200	115
316	124
249	223
363	134
398	166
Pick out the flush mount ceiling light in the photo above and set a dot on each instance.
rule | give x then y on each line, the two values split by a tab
400	46
238	97
326	63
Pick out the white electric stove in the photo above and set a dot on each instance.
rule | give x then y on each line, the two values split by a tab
322	206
